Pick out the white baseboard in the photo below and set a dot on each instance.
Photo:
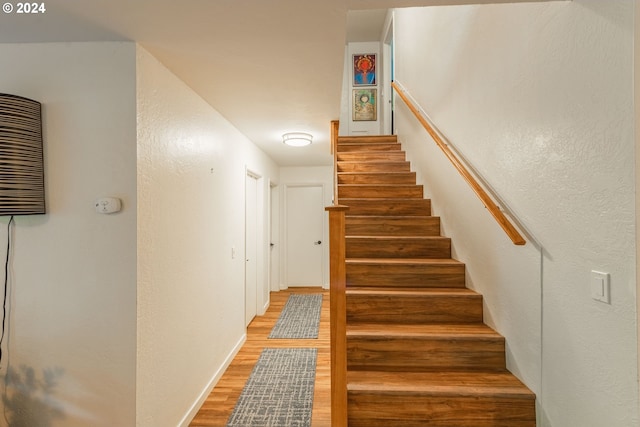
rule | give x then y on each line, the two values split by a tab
188	417
266	307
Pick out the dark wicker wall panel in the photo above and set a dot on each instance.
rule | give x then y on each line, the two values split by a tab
21	156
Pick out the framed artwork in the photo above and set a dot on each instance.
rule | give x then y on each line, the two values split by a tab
364	104
364	69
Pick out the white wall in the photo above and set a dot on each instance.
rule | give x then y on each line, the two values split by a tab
540	98
191	175
73	272
76	275
306	175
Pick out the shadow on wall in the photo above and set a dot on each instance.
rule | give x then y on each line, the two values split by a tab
28	401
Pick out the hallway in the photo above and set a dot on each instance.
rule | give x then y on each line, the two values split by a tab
220	403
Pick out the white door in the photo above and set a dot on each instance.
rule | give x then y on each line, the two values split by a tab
304	230
251	249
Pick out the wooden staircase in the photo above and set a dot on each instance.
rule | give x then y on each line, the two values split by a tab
418	352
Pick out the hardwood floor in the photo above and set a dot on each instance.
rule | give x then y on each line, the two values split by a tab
218	407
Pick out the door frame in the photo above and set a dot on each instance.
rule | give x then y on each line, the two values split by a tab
262	295
387	63
274	238
285	231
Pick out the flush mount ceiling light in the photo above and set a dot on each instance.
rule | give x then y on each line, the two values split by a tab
297	139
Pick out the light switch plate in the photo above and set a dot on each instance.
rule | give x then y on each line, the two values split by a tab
600	287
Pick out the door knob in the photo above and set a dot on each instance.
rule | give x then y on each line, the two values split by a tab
319	242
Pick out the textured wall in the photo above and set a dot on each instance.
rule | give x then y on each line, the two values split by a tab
539	98
71	341
191	176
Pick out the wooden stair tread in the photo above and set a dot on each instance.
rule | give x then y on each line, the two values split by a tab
360	146
367	152
391	217
432	331
378	185
371	156
365	144
380	161
382	200
404	261
407	238
377	173
441	383
383	292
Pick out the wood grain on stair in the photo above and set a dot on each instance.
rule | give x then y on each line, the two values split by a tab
387	225
380	191
395	207
404	272
426	347
377	178
346	147
365	156
410	305
368	139
398	247
418	352
374	166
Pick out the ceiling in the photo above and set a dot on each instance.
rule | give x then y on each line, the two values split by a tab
268	66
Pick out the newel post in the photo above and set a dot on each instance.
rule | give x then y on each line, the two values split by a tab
338	281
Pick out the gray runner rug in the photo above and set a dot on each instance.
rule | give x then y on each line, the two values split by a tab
279	391
300	317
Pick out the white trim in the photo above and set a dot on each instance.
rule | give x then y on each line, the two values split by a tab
636	90
386	62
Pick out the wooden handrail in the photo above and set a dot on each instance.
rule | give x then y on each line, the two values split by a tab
491	206
338	310
335	126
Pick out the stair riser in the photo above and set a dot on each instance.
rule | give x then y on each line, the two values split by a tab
380	191
367	156
383	410
374	139
358	166
422	354
390	247
382	275
414	309
411	207
373	226
346	148
378	178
